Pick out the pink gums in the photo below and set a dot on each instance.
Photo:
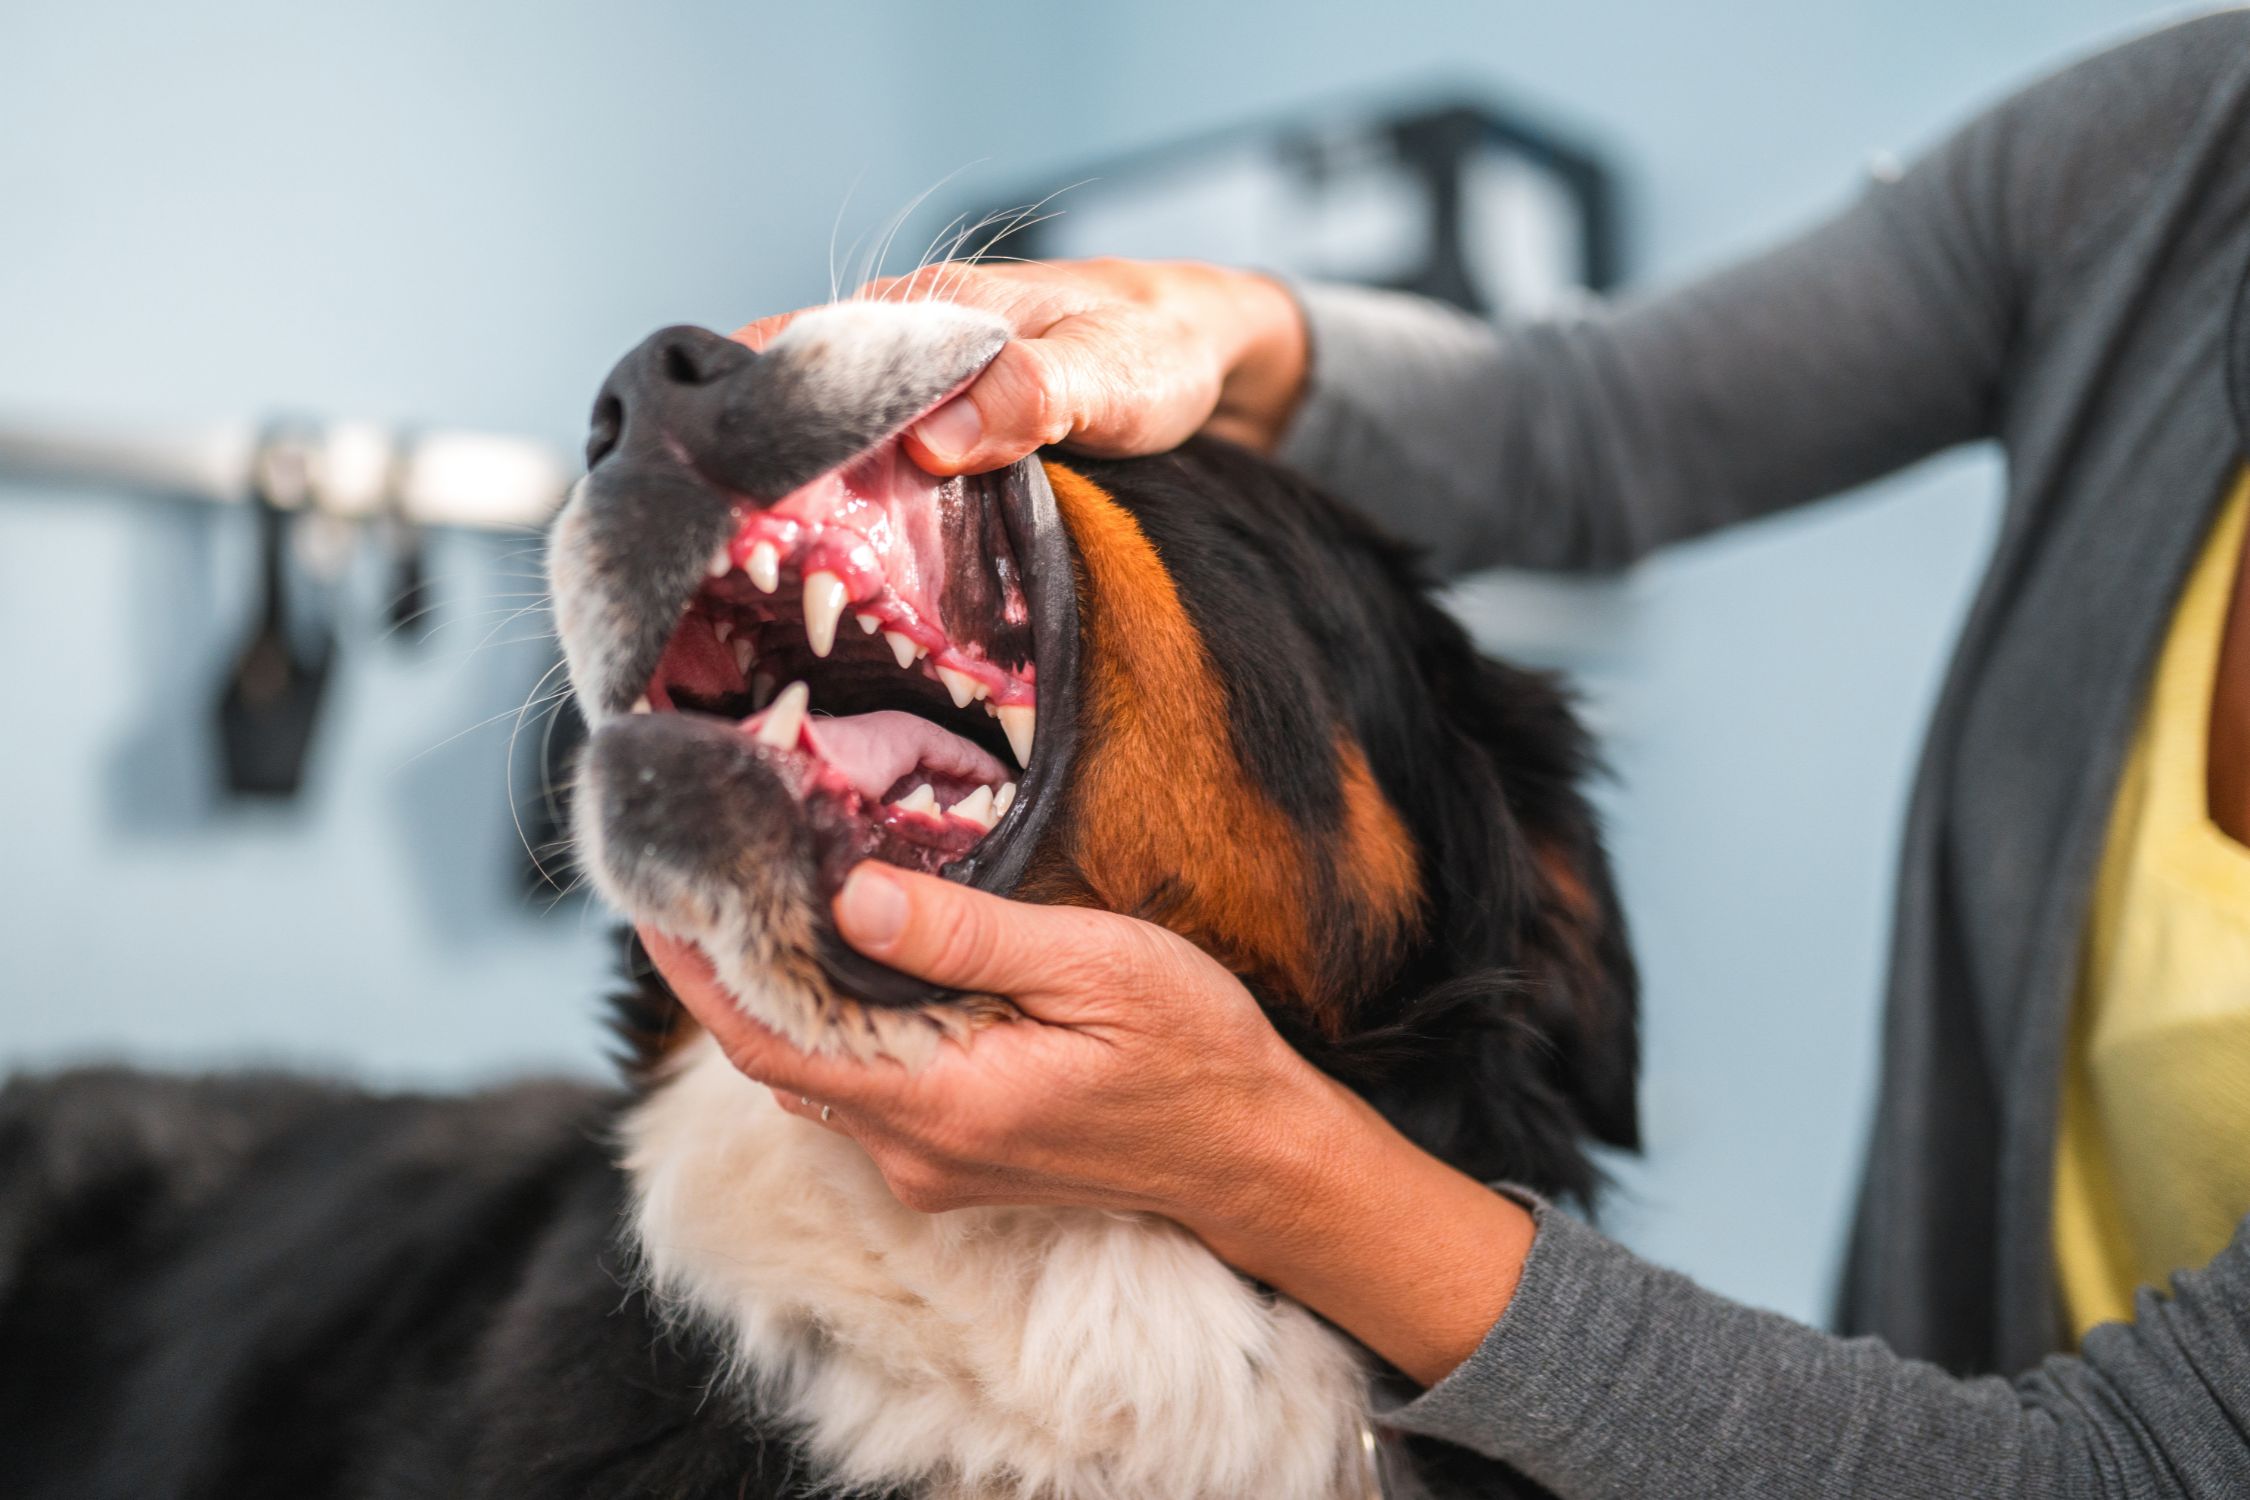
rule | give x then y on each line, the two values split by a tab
874	526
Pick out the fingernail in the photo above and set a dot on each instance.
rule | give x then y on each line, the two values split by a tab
953	430
871	908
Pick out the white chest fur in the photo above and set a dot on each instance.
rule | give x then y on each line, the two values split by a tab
1026	1353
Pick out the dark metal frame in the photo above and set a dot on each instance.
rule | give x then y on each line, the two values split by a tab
1434	143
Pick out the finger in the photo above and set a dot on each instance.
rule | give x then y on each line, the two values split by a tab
759	1051
1049	959
763	332
1083	381
805	1107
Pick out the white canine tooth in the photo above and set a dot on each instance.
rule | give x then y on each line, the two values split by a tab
764	567
920	800
1004	801
641	705
868	624
743	654
722	629
1019	720
786	719
825	598
961	685
976	807
902	647
721	564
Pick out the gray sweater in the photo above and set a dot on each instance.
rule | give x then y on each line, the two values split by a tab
2066	277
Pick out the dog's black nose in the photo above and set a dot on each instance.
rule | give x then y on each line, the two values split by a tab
672	380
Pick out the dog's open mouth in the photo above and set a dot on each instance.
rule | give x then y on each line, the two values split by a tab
872	630
840	657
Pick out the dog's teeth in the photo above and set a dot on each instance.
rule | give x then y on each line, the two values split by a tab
721	563
1004	801
786	719
1019	720
641	705
977	808
722	629
764	567
902	647
825	598
961	685
868	624
920	800
743	654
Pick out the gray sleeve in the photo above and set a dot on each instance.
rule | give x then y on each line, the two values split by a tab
1881	336
1608	1376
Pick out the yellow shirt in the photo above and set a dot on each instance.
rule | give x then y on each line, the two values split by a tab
2152	1168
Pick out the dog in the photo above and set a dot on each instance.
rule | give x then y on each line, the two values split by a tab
1189	688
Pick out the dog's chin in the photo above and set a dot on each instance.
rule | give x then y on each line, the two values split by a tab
694	828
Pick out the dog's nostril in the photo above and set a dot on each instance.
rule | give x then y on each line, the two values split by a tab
700	357
681	368
675	374
607	425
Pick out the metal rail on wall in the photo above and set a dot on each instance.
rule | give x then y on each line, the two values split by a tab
396	484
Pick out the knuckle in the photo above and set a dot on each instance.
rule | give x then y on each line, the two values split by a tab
919	1185
1035	394
967	946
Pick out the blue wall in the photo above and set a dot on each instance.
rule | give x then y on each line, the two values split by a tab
460	214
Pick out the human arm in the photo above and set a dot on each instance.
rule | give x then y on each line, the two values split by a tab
1145	1079
1895	329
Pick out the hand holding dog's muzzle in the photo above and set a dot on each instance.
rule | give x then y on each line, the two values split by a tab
1139	1075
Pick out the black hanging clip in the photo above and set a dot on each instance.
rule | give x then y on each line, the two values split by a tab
412	613
271	700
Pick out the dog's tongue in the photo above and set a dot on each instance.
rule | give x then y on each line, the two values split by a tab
874	751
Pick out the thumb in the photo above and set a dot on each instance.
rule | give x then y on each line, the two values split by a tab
1081	382
968	940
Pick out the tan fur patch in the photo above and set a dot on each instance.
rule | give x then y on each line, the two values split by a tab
1165	821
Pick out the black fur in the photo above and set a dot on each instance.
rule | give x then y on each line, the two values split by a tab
270	1287
1510	1037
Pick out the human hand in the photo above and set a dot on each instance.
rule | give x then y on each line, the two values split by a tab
1113	357
1141	1077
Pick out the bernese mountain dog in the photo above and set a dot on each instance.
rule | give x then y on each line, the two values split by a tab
1189	688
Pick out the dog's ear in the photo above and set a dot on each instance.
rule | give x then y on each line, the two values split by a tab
1578	987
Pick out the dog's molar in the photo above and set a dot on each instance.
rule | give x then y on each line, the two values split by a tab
976	807
960	684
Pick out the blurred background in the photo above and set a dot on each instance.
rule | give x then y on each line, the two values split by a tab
425	217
